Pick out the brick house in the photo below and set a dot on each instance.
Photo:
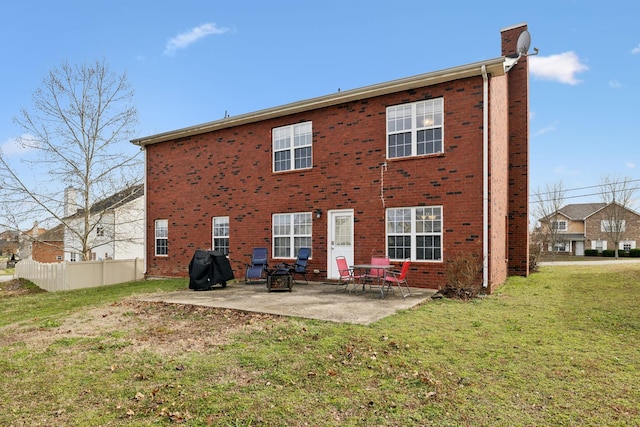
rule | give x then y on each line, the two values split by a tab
47	247
581	226
427	167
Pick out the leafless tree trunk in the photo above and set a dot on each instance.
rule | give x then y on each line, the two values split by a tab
618	195
76	136
548	202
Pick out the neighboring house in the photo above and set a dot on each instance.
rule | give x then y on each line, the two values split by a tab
10	243
48	247
26	239
426	168
583	226
116	226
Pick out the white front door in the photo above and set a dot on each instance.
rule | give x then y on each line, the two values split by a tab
579	248
340	240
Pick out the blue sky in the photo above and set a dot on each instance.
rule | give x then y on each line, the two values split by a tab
190	62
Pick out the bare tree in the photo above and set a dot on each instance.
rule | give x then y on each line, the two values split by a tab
76	136
618	195
547	204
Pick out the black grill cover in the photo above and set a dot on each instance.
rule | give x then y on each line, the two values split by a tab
209	268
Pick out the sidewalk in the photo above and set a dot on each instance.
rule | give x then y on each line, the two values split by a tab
595	262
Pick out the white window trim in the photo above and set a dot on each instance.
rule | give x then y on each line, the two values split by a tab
291	234
158	235
631	243
292	144
413	233
415	127
594	244
215	229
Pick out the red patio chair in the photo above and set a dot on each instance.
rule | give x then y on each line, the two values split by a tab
347	275
377	274
399	279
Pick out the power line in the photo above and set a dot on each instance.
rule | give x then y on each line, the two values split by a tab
585	188
541	194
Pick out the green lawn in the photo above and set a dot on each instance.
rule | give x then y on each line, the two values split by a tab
557	348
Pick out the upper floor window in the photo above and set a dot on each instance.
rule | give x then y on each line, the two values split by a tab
615	226
99	230
162	237
220	234
290	233
415	233
292	147
560	225
415	129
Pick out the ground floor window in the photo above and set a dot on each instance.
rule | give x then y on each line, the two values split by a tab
220	234
291	232
599	245
627	245
414	233
561	247
162	237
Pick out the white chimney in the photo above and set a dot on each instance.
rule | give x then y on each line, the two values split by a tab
70	201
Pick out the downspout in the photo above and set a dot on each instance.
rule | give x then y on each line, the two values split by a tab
146	220
485	178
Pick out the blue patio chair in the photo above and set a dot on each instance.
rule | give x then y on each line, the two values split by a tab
300	266
257	270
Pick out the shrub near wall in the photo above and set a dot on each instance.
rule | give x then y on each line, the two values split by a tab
634	253
590	252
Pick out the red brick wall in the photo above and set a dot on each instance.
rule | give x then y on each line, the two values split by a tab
518	156
228	172
47	252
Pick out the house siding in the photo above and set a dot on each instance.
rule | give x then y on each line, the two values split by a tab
228	172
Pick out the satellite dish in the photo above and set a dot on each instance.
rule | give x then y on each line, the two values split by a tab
524	42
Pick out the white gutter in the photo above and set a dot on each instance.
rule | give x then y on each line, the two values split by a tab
485	178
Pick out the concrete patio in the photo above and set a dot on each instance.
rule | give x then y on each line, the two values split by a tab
316	300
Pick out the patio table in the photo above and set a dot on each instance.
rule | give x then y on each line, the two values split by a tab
365	268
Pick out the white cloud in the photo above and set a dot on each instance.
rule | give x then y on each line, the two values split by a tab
183	40
614	84
564	171
636	50
546	129
562	67
630	165
16	146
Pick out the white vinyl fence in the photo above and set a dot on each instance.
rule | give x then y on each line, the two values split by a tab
64	276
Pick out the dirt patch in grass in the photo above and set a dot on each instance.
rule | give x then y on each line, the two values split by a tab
18	287
166	329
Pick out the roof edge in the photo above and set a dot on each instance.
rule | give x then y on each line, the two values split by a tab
494	67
